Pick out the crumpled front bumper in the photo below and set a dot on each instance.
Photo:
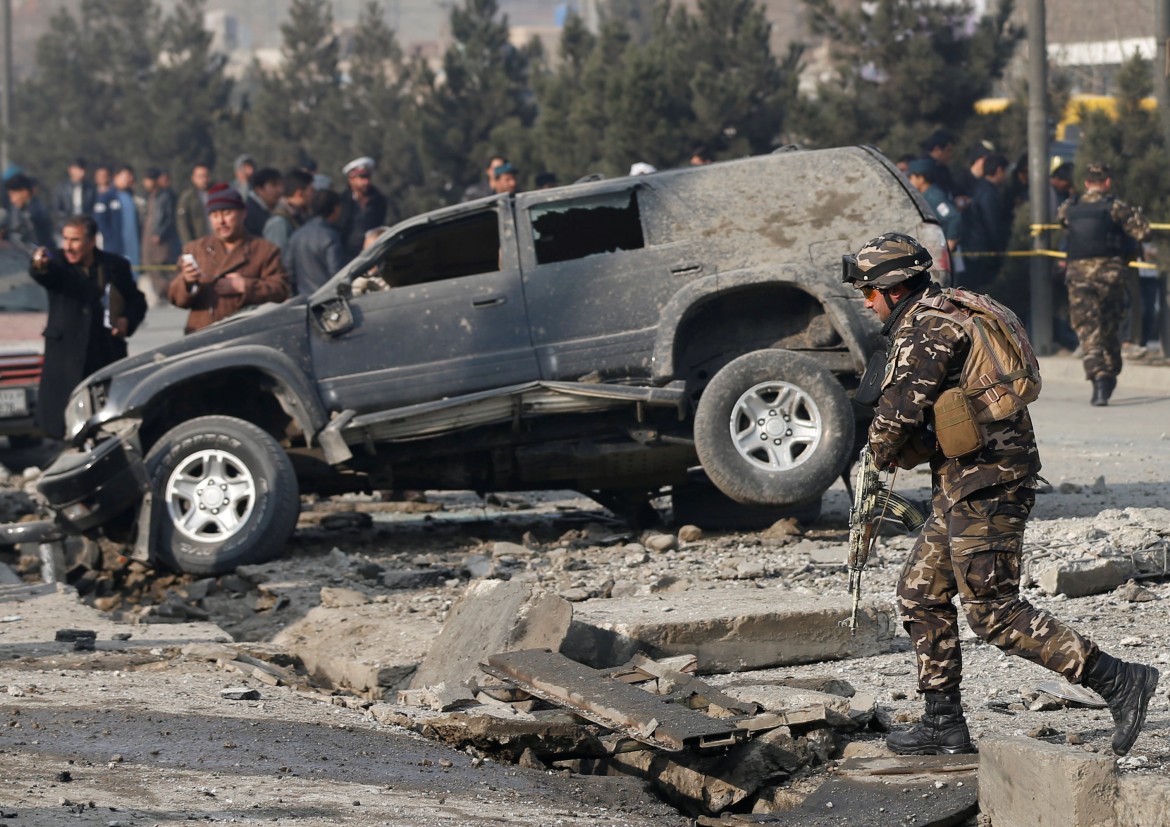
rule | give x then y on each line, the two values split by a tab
86	488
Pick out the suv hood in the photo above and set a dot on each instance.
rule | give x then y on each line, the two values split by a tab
249	326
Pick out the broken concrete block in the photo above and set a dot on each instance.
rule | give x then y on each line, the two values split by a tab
1077	578
729	630
483	729
1026	783
502	549
335	598
371	650
1143	800
903	796
775	698
492	616
710	783
239	693
441	698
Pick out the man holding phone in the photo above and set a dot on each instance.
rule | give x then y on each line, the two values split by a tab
229	269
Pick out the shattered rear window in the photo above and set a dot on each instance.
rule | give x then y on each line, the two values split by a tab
567	230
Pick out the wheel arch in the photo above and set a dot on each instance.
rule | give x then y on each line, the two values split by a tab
762	310
256	384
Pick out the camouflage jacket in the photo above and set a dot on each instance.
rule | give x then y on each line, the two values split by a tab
1129	219
926	357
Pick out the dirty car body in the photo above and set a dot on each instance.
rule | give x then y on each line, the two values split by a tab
609	337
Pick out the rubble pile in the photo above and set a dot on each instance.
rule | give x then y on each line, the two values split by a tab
752	702
705	750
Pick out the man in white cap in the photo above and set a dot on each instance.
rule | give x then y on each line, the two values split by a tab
363	207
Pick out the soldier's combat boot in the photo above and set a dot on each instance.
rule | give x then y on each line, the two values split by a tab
1127	688
942	730
1110	386
1100	392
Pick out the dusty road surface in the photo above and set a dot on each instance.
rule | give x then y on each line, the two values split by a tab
140	729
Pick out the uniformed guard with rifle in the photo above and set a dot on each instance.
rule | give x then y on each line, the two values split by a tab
1097	226
957	381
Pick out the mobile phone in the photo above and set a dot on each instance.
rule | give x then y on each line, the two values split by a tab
190	259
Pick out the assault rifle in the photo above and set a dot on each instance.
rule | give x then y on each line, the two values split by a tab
871	500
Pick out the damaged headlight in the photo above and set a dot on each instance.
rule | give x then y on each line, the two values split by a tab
80	409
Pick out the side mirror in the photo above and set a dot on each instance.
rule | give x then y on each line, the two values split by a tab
333	316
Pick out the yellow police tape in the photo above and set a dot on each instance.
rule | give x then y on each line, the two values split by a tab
1137	265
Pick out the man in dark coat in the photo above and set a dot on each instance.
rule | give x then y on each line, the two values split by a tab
313	253
75	195
191	214
94	305
28	221
363	207
986	226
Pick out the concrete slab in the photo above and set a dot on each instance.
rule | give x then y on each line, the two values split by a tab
491	617
774	698
32	614
1143	801
372	650
708	784
729	630
1078	578
893	791
1029	783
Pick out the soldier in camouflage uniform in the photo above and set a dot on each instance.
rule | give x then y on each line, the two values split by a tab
972	541
1096	224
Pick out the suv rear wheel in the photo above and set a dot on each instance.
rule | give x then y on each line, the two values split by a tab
225	495
773	427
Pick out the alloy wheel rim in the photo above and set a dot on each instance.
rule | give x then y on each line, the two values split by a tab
210	496
776	426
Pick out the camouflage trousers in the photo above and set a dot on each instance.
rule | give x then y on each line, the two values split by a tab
973	551
1097	300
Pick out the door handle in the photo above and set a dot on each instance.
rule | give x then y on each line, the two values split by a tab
494	301
691	269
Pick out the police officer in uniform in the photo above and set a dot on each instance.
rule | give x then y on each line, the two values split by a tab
1096	225
972	541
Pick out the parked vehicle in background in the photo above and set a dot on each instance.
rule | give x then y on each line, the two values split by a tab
24	307
611	336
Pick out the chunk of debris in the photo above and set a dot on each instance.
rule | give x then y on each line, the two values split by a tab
1132	592
70	635
371	650
1078	578
898	791
783	529
661	542
336	598
548	736
492	616
441	697
690	534
731	629
239	693
1024	781
1074	695
660	721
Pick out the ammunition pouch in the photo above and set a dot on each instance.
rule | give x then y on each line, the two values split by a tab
955	427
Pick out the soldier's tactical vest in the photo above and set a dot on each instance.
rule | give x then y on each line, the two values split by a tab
1001	375
1092	233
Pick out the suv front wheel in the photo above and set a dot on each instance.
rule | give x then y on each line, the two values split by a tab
225	495
773	427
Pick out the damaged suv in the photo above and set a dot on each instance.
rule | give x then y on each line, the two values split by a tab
611	336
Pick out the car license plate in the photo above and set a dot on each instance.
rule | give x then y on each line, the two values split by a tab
13	402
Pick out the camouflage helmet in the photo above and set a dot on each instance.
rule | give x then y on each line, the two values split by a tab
885	261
